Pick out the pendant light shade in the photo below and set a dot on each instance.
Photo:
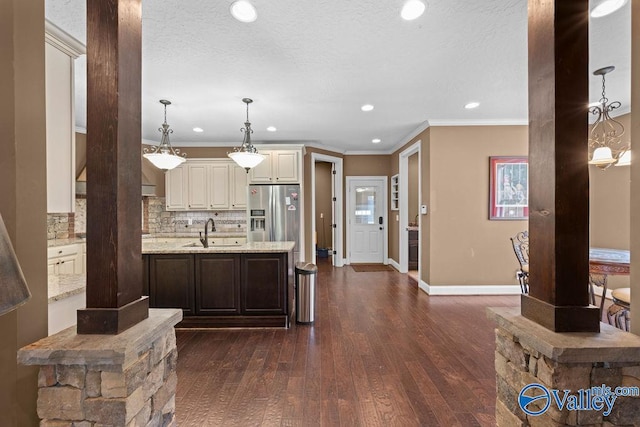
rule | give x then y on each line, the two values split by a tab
164	156
246	155
13	287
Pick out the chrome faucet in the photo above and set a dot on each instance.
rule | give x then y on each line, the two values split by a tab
205	240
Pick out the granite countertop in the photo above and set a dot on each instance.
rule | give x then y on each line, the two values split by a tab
160	247
192	235
63	286
413	228
62	242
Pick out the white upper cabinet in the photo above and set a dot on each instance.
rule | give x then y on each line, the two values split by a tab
219	185
278	167
238	187
263	173
206	184
176	188
198	183
285	166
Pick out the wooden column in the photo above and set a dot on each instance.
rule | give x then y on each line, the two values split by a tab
558	169
114	263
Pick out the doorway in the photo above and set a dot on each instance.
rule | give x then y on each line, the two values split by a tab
410	205
367	219
326	215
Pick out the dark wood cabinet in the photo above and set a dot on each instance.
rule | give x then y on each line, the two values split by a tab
171	282
217	278
221	289
264	284
413	249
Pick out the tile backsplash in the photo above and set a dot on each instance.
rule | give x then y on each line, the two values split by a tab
60	225
157	220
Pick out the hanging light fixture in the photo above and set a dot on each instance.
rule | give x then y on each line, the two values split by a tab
606	147
13	288
164	156
246	155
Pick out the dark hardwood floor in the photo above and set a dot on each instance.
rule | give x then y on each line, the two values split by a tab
381	353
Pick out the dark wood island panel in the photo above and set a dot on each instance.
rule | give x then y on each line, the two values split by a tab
222	289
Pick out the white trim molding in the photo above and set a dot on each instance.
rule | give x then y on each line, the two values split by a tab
62	40
470	290
392	262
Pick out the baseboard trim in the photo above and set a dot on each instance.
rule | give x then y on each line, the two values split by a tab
393	264
469	290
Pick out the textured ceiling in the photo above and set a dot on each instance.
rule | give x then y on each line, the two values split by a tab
310	64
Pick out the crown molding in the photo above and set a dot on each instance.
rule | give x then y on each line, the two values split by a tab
407	139
487	122
62	40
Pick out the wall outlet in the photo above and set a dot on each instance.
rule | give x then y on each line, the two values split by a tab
321	215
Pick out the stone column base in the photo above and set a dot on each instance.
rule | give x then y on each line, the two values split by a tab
577	365
127	379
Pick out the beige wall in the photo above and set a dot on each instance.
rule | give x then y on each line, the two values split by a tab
323	205
23	201
466	248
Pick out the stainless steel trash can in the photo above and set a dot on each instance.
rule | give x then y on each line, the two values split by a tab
306	274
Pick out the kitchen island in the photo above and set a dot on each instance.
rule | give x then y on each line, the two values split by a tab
225	285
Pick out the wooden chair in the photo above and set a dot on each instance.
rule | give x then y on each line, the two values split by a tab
520	244
619	314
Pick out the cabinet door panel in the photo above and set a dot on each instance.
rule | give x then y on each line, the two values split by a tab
263	172
219	186
176	188
171	282
264	284
217	284
238	187
286	166
198	186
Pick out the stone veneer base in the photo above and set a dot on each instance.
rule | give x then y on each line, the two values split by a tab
528	353
127	379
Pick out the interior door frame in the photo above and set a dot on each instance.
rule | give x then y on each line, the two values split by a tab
338	220
403	196
385	213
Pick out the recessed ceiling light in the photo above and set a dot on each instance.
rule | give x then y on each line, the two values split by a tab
272	129
607	7
199	130
367	107
412	9
376	140
243	11
472	105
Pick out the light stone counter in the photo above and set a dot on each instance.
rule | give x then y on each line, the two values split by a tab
63	286
173	247
63	242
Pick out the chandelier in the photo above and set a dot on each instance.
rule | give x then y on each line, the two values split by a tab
246	155
164	156
606	146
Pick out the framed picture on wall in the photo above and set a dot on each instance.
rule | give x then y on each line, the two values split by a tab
508	188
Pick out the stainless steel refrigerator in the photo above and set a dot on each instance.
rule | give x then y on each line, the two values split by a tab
274	214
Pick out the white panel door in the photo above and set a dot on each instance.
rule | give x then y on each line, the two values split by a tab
366	220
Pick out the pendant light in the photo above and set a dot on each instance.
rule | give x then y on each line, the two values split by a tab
606	146
246	155
164	156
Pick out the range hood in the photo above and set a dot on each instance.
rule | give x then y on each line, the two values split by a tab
148	189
